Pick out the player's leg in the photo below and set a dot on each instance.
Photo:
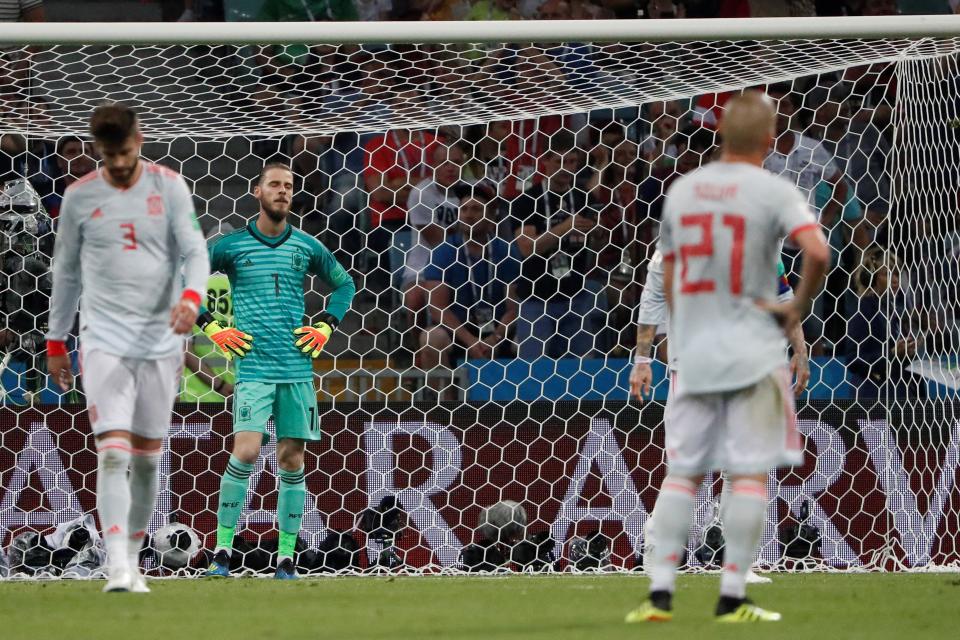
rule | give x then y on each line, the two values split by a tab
110	387
252	407
744	514
650	530
752	577
157	385
761	435
689	444
295	412
291	497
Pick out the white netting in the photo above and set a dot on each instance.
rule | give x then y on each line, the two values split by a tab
437	427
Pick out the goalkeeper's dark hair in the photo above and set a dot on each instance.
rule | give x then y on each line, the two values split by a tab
274	164
113	123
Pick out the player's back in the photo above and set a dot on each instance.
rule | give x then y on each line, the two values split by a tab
723	226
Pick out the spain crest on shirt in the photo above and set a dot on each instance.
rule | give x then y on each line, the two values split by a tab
155	205
298	261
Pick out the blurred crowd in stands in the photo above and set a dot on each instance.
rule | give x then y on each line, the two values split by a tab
530	237
546	9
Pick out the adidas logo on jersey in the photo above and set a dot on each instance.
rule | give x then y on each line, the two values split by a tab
248	262
97	213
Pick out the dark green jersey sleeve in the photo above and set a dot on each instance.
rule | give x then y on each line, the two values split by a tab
325	266
217	249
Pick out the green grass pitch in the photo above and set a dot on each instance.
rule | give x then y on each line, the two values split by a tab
816	606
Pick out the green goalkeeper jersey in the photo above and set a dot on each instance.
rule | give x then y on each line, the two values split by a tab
267	283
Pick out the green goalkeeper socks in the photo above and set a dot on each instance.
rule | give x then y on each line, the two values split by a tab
233	496
293	493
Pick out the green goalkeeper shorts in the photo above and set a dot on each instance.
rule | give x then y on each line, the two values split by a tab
292	405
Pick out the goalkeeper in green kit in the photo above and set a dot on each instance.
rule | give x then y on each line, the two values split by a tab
266	263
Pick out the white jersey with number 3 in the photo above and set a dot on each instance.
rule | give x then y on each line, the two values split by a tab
722	226
119	252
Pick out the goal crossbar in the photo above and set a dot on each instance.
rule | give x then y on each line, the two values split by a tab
479	31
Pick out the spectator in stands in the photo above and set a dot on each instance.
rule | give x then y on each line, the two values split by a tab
22	11
861	151
563	306
432	214
807	162
663	9
491	159
74	159
659	148
616	194
14	70
878	7
802	160
308	10
924	7
493	10
393	163
878	346
444	9
471	280
209	11
694	147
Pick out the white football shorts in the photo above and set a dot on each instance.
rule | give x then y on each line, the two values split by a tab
130	394
743	432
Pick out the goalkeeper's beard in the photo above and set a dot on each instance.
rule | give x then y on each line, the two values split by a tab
276	215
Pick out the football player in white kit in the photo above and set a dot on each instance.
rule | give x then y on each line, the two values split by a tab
732	408
123	232
651	315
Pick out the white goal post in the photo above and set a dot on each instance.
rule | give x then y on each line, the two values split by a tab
394	130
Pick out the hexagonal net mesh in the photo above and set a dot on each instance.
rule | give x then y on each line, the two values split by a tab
498	208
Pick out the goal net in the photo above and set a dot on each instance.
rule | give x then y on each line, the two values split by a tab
474	402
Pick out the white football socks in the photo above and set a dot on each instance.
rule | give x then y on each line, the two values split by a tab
674	509
143	497
743	515
113	496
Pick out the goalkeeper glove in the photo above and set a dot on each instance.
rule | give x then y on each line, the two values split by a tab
316	336
232	342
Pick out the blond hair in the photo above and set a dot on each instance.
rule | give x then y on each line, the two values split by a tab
749	121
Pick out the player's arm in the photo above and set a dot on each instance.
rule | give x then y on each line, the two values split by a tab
529	242
797	222
799	361
816	257
196	264
651	314
66	292
311	339
230	340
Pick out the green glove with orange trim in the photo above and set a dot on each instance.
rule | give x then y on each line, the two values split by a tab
231	341
313	337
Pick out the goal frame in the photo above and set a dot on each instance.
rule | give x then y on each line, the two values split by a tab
484	31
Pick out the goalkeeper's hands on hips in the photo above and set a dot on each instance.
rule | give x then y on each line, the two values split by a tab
312	338
231	341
